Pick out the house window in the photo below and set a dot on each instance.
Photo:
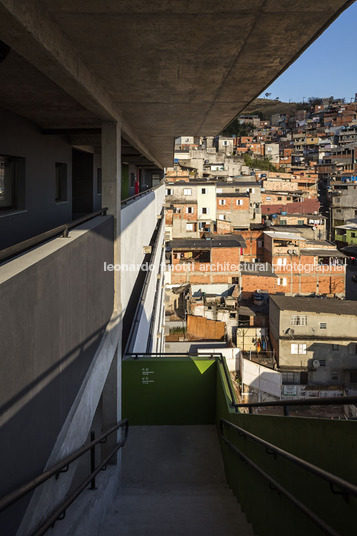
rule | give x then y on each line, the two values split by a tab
353	235
298	320
288	198
99	181
189	227
260	243
61	182
280	198
12	183
323	325
283	222
187	191
352	348
353	377
334	375
282	281
239	202
204	210
291	378
322	362
169	191
189	210
268	198
203	190
222	202
297	348
335	347
301	222
221	217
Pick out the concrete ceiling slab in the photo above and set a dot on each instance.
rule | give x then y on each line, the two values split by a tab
166	67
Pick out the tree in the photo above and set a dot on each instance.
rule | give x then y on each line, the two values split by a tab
267	95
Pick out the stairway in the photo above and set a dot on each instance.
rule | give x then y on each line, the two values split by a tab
174	485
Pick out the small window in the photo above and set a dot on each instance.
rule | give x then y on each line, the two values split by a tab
221	217
99	181
12	183
323	325
203	190
169	191
298	348
189	227
187	191
280	198
301	222
189	210
335	347
322	362
288	198
222	202
232	315
334	375
61	182
298	320
219	190
239	202
204	210
268	198
353	377
283	222
282	281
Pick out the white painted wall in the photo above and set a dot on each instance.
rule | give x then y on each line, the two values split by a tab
261	378
138	221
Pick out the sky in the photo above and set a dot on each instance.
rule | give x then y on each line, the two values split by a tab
328	67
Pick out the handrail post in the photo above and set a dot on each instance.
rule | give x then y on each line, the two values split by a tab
92	461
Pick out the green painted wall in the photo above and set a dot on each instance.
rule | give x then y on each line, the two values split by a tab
169	391
326	443
124	181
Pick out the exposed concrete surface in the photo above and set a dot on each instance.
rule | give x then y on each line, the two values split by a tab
174	484
165	67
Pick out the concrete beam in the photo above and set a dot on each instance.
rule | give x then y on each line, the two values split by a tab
29	29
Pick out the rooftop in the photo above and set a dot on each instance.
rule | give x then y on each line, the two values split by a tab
315	305
228	241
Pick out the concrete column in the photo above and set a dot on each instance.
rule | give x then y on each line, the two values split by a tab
111	198
111	191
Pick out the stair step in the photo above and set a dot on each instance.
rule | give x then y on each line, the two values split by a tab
174	485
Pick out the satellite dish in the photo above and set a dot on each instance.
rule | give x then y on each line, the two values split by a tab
316	364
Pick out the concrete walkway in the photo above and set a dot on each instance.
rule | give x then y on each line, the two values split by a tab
174	485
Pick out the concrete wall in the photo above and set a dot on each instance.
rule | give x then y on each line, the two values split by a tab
64	300
20	138
138	221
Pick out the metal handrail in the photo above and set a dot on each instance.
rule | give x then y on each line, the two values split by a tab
63	230
280	489
346	487
61	467
140	194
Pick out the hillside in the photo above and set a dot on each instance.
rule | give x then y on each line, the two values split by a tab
268	107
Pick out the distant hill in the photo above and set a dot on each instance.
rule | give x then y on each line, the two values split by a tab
268	107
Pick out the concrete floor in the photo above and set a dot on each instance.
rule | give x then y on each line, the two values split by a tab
174	485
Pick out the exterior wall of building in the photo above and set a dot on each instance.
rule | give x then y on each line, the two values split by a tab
40	212
206	201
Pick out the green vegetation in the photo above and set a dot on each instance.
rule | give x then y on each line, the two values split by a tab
178	330
258	163
238	129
